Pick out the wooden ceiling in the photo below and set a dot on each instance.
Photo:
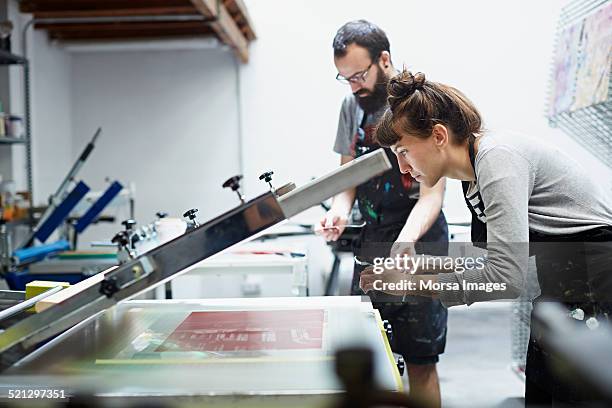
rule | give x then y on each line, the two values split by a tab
95	20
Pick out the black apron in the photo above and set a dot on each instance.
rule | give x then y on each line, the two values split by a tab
573	270
385	201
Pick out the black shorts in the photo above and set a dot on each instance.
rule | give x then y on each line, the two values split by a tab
418	325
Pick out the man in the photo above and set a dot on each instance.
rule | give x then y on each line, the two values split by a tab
400	214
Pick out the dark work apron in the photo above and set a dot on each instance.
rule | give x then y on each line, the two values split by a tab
573	270
418	323
385	201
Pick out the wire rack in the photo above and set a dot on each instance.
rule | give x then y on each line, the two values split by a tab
579	100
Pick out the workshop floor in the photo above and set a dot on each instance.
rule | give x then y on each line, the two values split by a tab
475	369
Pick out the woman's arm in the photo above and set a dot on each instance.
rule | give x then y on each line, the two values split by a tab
505	180
425	212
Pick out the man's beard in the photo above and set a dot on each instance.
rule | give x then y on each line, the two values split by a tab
377	97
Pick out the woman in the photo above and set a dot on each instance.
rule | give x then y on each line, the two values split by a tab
524	197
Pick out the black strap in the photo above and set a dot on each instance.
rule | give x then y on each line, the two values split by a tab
377	202
471	141
363	120
479	228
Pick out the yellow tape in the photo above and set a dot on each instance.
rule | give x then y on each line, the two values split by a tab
396	374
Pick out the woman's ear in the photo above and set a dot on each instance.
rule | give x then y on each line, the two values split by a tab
440	135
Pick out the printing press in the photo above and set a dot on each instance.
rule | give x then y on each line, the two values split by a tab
100	347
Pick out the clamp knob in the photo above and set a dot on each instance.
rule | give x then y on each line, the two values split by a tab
129	224
191	214
121	239
401	365
109	286
234	184
388	329
267	177
161	214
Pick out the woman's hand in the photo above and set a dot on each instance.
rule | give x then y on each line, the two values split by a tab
392	281
402	249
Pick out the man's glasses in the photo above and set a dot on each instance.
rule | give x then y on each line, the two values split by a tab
359	77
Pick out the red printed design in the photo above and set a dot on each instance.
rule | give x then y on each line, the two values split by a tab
248	331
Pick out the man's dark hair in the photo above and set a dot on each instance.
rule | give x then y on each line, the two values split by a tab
364	34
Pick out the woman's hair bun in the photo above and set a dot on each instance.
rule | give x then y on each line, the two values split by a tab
403	85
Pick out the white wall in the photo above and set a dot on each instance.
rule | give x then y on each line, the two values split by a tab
497	52
52	152
170	118
170	126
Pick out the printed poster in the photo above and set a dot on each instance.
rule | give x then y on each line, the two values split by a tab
247	331
565	67
593	75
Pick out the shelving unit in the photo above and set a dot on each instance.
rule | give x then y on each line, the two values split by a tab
103	20
7	58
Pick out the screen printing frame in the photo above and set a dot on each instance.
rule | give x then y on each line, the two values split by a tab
166	261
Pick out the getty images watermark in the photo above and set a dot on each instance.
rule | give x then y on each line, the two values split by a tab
411	265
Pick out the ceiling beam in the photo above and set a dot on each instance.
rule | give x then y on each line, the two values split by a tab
127	12
224	26
128	32
248	27
228	19
39	6
187	25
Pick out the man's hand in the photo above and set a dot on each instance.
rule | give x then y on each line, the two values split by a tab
331	225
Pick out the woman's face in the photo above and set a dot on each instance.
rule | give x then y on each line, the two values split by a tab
422	158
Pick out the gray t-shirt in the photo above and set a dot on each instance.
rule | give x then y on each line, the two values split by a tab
349	133
523	185
351	116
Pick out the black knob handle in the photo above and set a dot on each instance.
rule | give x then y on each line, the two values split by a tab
233	182
135	239
388	329
401	365
267	176
191	214
161	214
121	239
128	224
109	286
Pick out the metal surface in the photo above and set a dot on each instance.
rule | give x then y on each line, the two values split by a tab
12	295
344	177
162	263
141	274
363	224
26	304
